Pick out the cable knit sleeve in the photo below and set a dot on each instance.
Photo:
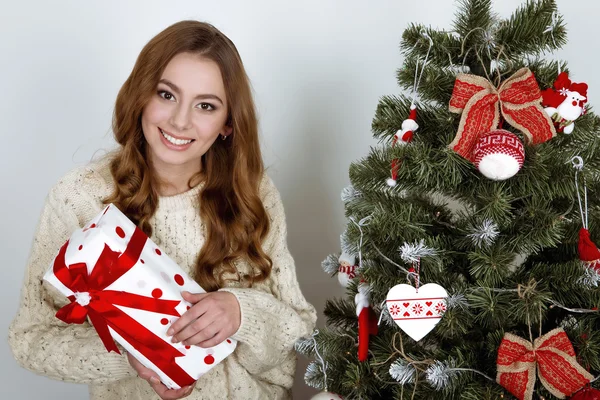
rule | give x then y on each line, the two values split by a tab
272	323
40	342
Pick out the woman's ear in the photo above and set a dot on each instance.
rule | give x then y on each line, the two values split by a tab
228	130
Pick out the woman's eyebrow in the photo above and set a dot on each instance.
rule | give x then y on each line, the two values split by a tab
198	97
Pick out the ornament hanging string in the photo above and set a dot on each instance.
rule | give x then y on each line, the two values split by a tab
550	29
363	222
323	364
419	76
577	162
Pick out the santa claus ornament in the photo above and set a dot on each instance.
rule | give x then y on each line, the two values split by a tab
347	268
588	251
498	154
564	103
403	137
405	134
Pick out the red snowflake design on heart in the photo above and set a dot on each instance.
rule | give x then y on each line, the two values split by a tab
417	308
440	307
394	310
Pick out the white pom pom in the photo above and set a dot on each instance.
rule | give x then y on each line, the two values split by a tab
499	166
391	182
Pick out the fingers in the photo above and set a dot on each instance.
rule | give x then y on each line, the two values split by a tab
193	297
202	326
209	332
193	313
170	394
215	340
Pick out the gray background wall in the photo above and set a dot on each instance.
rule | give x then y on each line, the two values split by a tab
318	68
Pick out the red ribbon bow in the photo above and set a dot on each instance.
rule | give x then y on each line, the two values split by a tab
91	299
554	357
518	99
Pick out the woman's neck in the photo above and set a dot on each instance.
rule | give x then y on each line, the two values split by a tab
175	179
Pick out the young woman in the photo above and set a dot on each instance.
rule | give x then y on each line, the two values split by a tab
188	171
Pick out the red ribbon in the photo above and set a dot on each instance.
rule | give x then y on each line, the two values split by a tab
103	313
552	355
518	99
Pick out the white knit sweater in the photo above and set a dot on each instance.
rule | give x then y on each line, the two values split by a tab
274	313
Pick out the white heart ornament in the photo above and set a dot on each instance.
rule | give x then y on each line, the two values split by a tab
417	313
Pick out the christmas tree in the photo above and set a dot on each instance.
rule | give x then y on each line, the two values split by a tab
469	256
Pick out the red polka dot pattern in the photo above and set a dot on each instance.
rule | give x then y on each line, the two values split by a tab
120	232
80	246
92	225
209	359
164	321
158	252
228	341
188	347
157	293
179	279
142	261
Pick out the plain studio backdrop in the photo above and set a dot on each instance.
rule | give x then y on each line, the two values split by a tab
317	68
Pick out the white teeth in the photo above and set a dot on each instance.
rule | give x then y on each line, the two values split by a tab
171	139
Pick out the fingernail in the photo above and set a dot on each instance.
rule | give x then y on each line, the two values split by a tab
170	332
174	340
154	379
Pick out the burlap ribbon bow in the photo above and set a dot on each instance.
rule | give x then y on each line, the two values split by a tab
552	355
518	100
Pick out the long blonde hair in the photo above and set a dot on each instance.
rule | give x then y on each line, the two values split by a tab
232	211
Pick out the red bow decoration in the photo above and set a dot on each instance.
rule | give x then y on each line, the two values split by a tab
91	299
553	356
518	100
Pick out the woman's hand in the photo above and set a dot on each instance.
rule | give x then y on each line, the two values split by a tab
212	318
160	389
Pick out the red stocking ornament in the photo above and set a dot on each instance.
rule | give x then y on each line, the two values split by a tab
367	320
587	393
588	251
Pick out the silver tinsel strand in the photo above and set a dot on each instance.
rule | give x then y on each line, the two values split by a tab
349	193
346	245
440	373
304	346
331	264
402	371
590	278
457	301
486	233
412	252
313	376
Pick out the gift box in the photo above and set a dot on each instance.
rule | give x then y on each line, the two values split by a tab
130	291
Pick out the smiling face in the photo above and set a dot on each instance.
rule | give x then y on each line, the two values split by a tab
185	115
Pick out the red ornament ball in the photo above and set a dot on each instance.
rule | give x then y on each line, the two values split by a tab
499	155
587	393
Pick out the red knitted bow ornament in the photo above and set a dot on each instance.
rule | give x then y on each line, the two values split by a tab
554	357
518	100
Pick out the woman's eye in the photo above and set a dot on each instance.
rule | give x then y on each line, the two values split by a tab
165	95
206	106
